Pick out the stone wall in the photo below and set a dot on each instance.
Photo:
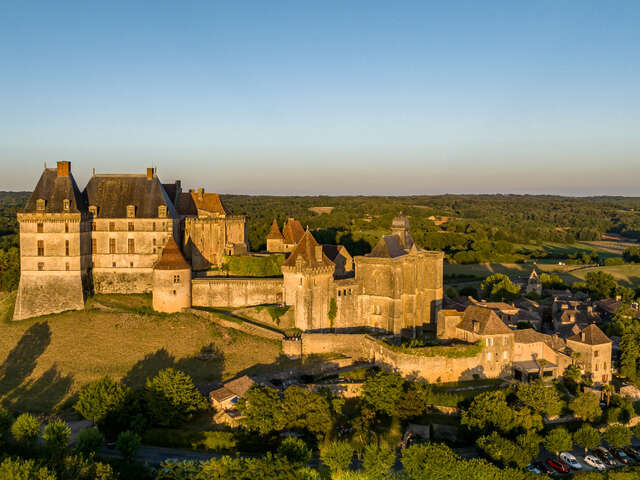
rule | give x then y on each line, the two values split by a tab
45	294
123	280
235	292
350	344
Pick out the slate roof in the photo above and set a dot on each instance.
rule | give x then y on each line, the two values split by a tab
113	193
306	249
389	246
53	190
274	233
332	251
489	322
172	258
292	231
591	335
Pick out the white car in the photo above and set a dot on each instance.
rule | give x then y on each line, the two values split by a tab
571	460
594	462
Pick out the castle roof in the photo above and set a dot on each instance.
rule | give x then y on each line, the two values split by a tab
332	251
488	323
389	246
188	203
591	335
54	189
310	252
274	233
172	258
292	231
113	193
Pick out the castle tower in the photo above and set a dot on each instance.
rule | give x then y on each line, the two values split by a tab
275	239
54	246
400	227
171	280
308	283
534	284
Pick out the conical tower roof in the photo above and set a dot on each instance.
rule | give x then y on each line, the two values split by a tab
172	258
274	233
306	250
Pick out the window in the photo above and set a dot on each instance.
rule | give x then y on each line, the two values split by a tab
176	279
66	266
65	204
131	245
504	355
154	249
40	228
489	341
41	248
174	292
604	366
154	242
93	226
40	266
131	211
153	226
595	354
162	211
94	245
113	264
112	226
66	248
40	204
505	340
112	245
488	356
130	226
130	264
66	227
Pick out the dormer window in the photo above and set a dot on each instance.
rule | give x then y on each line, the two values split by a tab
40	204
66	204
131	211
162	211
93	210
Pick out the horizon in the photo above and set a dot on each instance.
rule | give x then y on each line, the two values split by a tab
338	100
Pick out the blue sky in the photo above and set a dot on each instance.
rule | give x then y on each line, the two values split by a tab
342	97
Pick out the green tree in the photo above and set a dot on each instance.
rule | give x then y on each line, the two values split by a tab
631	255
172	398
377	460
26	430
19	469
6	419
333	311
587	437
382	392
413	402
337	455
56	436
552	281
77	467
500	287
529	442
618	436
89	441
586	406
295	450
305	409
99	398
540	398
499	448
557	440
600	284
488	411
128	444
261	409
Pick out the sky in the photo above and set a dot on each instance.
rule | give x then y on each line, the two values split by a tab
326	97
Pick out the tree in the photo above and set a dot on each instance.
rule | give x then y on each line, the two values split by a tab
56	436
172	398
489	410
305	409
573	376
261	409
529	442
295	450
587	437
383	391
600	284
500	287
378	459
333	311
26	430
631	255
337	456
540	398
128	444
552	281
99	398
413	402
6	419
618	436
19	469
557	440
89	441
586	406
499	448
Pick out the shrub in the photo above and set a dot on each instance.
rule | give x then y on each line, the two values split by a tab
26	430
128	444
56	436
6	419
337	456
609	262
250	266
100	398
295	450
377	460
18	469
89	441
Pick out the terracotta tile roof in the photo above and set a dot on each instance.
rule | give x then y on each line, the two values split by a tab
389	246
54	190
274	233
591	335
489	322
529	335
292	231
307	250
172	258
233	388
210	202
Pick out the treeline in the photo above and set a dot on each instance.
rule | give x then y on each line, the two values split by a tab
10	204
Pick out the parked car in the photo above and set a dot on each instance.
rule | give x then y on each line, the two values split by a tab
571	460
633	453
594	462
558	465
533	469
543	467
621	455
606	457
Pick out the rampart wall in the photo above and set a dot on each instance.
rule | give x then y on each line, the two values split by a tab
235	292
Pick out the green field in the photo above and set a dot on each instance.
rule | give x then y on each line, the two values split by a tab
45	361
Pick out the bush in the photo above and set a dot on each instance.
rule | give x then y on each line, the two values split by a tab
218	442
295	450
378	460
56	436
100	398
337	456
26	430
172	398
89	442
18	469
610	262
249	266
128	444
6	419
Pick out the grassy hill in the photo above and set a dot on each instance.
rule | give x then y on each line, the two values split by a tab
45	361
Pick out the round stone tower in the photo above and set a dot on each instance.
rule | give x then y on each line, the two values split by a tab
171	280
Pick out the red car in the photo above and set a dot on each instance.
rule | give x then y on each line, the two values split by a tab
558	465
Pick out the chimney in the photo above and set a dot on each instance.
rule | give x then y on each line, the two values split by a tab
150	173
201	193
64	168
319	253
